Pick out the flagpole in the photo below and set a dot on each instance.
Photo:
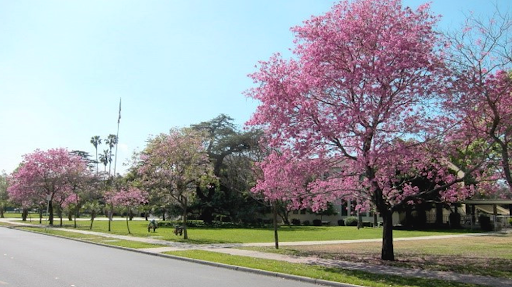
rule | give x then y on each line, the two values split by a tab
117	136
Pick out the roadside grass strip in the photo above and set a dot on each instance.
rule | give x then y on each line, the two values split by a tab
316	272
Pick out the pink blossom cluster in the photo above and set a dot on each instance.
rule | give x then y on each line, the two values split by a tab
127	197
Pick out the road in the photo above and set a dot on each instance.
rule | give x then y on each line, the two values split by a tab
28	259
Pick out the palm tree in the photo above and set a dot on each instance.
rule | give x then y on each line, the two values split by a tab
96	140
111	141
104	158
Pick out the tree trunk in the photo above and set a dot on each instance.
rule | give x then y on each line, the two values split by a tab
24	214
127	225
185	234
207	214
76	215
276	236
93	214
359	219
387	236
50	211
109	219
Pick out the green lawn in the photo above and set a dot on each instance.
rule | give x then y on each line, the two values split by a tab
317	272
250	235
34	216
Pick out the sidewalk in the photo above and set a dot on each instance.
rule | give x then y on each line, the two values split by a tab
377	269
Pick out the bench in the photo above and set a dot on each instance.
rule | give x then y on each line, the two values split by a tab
178	230
152	225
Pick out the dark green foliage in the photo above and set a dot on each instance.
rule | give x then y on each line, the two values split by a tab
351	221
317	222
232	153
341	222
306	223
455	220
485	222
296	221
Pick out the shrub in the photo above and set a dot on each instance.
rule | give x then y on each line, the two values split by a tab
510	221
351	221
367	224
341	222
317	222
306	223
454	220
485	222
296	221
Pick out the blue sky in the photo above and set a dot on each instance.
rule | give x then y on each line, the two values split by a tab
64	65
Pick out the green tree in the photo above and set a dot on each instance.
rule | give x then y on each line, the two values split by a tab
3	194
231	152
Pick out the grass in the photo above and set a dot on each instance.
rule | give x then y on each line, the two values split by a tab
250	235
34	216
93	238
489	255
317	272
204	235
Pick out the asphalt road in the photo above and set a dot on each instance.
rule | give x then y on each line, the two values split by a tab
28	259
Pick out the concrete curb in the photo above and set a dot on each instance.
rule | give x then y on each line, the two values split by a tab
208	263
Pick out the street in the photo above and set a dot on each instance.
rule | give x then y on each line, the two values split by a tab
28	259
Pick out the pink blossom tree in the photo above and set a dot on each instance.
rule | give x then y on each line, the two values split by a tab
44	176
127	199
481	98
174	165
350	116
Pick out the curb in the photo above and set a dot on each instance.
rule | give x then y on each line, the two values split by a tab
208	263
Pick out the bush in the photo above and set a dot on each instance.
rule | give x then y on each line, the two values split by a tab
296	221
306	223
454	220
351	221
510	221
341	222
317	222
485	222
